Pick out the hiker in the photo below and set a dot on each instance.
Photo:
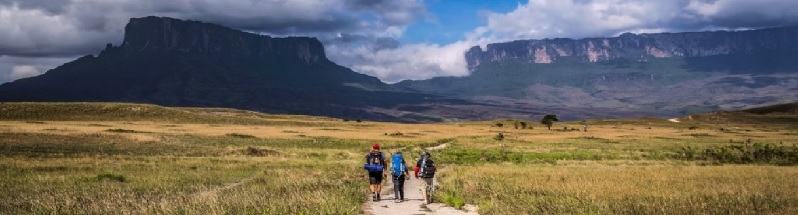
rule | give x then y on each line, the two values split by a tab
399	173
425	169
584	125
375	165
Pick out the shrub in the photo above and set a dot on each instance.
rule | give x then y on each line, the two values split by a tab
252	151
110	177
236	135
744	154
119	130
499	137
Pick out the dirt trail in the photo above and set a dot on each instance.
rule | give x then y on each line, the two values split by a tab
413	203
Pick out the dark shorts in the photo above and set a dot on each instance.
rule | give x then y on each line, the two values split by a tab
375	177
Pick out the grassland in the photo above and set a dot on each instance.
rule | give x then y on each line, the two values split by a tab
101	158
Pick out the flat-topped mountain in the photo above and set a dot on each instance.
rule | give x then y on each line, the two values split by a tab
173	62
668	74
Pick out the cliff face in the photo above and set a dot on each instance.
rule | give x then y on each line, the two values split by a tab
156	34
639	47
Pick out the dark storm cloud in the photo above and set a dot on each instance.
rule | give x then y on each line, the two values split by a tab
66	29
49	6
755	14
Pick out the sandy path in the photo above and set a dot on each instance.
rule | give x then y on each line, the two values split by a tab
413	203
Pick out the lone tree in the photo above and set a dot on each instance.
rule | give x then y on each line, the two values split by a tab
549	120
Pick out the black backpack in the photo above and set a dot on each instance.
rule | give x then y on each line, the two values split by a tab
427	169
374	162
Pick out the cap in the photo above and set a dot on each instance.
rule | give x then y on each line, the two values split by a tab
375	146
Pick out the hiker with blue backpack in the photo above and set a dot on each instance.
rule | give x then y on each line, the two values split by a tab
375	165
399	172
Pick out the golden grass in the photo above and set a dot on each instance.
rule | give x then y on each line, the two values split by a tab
224	161
597	188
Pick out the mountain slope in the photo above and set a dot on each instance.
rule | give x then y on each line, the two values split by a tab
173	62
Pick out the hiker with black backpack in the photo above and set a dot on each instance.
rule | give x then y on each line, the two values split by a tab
399	173
425	169
375	165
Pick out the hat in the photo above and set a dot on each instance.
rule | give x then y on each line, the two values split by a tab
375	146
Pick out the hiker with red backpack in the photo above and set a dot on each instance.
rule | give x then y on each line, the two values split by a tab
375	165
399	173
425	169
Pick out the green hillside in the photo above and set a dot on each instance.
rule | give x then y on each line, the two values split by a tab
83	111
783	114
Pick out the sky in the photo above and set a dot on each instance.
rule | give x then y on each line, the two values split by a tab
392	40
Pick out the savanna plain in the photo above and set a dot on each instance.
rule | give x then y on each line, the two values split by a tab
115	158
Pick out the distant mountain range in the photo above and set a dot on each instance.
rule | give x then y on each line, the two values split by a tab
666	74
173	62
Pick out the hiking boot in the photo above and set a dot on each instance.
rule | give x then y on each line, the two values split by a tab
378	197
374	198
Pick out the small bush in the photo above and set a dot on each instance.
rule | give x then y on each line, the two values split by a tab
499	137
255	152
454	201
236	135
119	130
445	140
110	177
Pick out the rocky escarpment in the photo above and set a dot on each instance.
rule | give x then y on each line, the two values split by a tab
640	47
158	34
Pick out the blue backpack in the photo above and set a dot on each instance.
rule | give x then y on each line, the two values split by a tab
398	165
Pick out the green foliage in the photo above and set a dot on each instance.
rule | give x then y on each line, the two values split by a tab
475	156
111	177
119	130
760	153
549	120
454	201
499	137
237	135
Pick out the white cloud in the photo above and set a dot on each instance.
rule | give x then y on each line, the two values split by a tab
24	71
538	19
12	68
414	61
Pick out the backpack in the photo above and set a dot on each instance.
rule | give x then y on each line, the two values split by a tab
398	165
374	162
427	168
